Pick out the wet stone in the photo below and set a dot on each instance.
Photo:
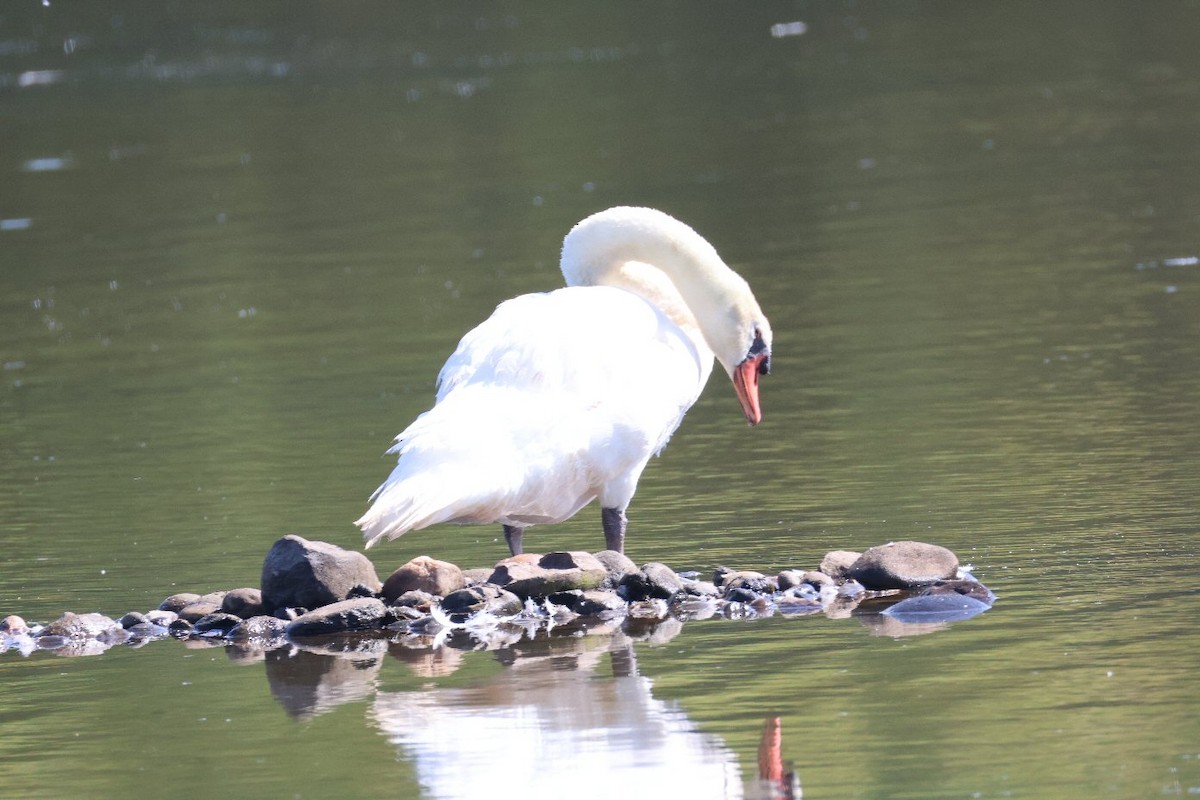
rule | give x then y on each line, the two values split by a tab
84	626
485	597
903	565
177	602
789	578
654	581
12	625
132	619
590	603
754	582
967	588
553	572
357	614
414	598
260	627
199	608
617	565
218	621
161	617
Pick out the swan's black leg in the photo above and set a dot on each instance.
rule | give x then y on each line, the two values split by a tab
512	535
614	522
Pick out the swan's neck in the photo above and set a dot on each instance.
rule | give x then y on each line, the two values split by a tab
667	263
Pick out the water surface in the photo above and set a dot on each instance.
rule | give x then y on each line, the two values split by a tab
237	243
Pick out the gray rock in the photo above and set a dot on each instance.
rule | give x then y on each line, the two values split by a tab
217	621
476	576
415	598
903	565
817	579
789	579
618	565
936	608
85	626
967	588
553	572
699	588
260	627
161	617
176	602
357	614
424	574
244	603
484	597
297	572
655	581
836	562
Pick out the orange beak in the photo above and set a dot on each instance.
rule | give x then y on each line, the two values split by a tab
745	384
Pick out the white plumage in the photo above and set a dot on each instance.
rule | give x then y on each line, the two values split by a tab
561	398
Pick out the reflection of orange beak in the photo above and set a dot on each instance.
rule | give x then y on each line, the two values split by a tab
745	384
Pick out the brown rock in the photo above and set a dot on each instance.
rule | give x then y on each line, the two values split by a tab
836	562
300	573
244	603
424	574
903	565
553	572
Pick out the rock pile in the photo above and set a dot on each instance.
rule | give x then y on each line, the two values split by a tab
311	589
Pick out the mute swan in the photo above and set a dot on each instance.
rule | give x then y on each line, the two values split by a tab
561	398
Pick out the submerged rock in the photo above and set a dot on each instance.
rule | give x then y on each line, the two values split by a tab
84	626
903	565
311	574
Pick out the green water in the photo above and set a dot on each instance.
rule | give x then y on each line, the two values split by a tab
238	242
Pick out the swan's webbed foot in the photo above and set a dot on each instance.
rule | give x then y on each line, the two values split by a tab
614	522
513	535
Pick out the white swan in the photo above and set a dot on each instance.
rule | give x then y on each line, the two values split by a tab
561	398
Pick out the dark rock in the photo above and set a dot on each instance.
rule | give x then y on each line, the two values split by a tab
176	602
297	572
218	621
655	581
12	625
180	628
424	574
133	618
968	588
553	572
754	582
719	575
199	608
591	603
740	594
243	603
618	565
903	565
789	578
260	627
415	598
358	614
485	597
836	562
85	626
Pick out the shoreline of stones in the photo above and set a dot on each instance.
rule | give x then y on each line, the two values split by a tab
315	589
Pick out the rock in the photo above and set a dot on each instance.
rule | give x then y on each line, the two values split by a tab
358	614
260	627
180	628
936	608
789	579
817	579
553	572
700	588
654	581
484	597
618	565
84	626
590	603
133	618
161	618
12	625
199	608
836	562
425	574
967	588
903	565
415	598
798	606
476	576
740	594
218	621
244	603
719	575
754	582
176	602
297	572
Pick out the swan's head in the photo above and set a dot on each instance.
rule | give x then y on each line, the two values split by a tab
744	350
599	250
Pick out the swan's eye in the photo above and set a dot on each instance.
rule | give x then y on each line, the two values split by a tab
759	347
